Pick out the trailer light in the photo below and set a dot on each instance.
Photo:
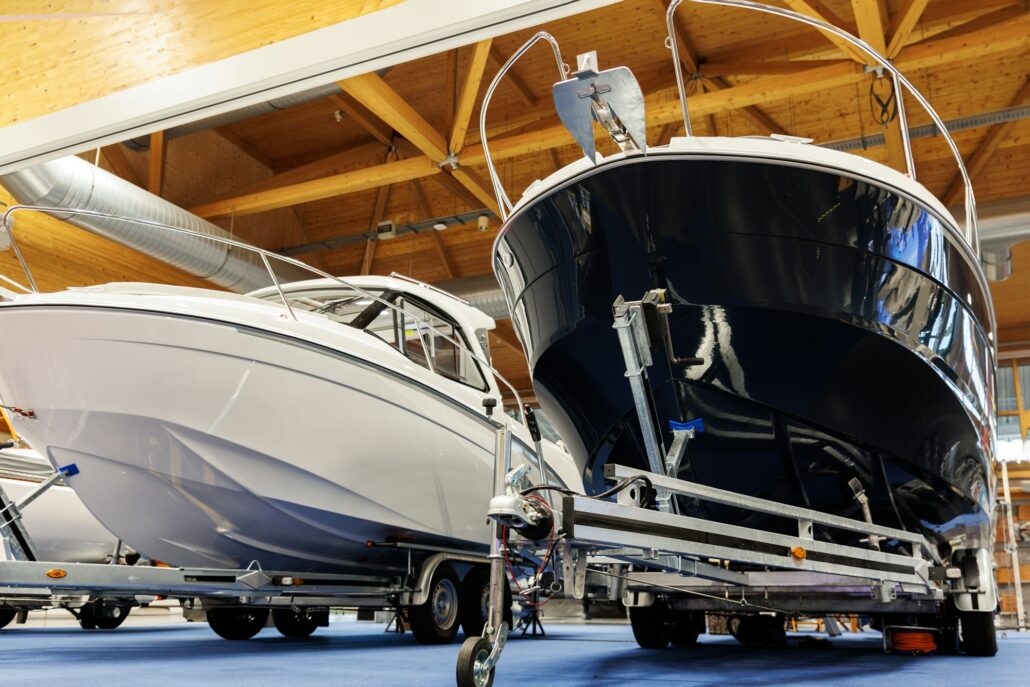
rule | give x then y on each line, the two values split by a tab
56	573
953	573
798	553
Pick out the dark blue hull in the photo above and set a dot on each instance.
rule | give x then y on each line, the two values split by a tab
840	326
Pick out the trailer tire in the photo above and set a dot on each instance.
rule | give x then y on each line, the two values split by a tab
96	615
685	627
978	635
475	593
650	625
237	623
6	616
437	620
297	624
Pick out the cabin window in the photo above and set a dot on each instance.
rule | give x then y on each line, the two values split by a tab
433	346
406	329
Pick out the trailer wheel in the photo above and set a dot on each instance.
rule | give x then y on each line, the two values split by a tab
7	614
436	621
650	625
475	601
758	630
978	636
290	623
685	627
473	654
97	615
237	623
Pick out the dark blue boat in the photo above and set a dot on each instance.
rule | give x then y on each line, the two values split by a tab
840	321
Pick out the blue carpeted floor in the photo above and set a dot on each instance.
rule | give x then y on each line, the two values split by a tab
350	653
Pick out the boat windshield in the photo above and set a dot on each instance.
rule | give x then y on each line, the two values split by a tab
408	333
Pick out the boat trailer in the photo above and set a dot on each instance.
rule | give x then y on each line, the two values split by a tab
670	569
26	583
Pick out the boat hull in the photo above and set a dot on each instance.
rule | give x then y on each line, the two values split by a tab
202	443
838	326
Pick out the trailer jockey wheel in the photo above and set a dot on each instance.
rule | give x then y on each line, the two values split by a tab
436	621
471	669
300	623
475	601
7	614
237	623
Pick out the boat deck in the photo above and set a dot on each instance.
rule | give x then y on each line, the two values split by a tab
361	653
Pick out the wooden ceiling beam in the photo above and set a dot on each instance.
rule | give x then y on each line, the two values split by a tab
327	166
505	333
807	41
156	163
422	200
377	128
243	146
982	22
374	93
368	259
388	105
452	186
319	189
999	37
816	10
1002	37
990	143
469	93
760	120
119	163
902	24
757	68
870	22
451	88
517	84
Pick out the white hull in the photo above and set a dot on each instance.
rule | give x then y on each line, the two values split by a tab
202	443
61	528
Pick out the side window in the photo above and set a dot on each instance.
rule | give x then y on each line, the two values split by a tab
436	349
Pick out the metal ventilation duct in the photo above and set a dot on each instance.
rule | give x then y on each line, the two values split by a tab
71	182
481	291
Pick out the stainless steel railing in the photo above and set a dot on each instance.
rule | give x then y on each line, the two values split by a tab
503	202
971	235
7	222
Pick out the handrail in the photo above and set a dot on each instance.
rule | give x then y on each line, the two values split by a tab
7	225
503	201
971	234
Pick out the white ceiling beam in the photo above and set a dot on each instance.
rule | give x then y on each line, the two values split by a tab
400	33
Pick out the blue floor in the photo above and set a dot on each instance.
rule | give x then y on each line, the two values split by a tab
350	653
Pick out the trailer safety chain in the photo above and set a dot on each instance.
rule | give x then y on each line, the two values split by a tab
743	602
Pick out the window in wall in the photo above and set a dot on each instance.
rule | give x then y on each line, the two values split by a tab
1006	389
1010	440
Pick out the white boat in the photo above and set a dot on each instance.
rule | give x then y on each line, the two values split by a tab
61	527
216	429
